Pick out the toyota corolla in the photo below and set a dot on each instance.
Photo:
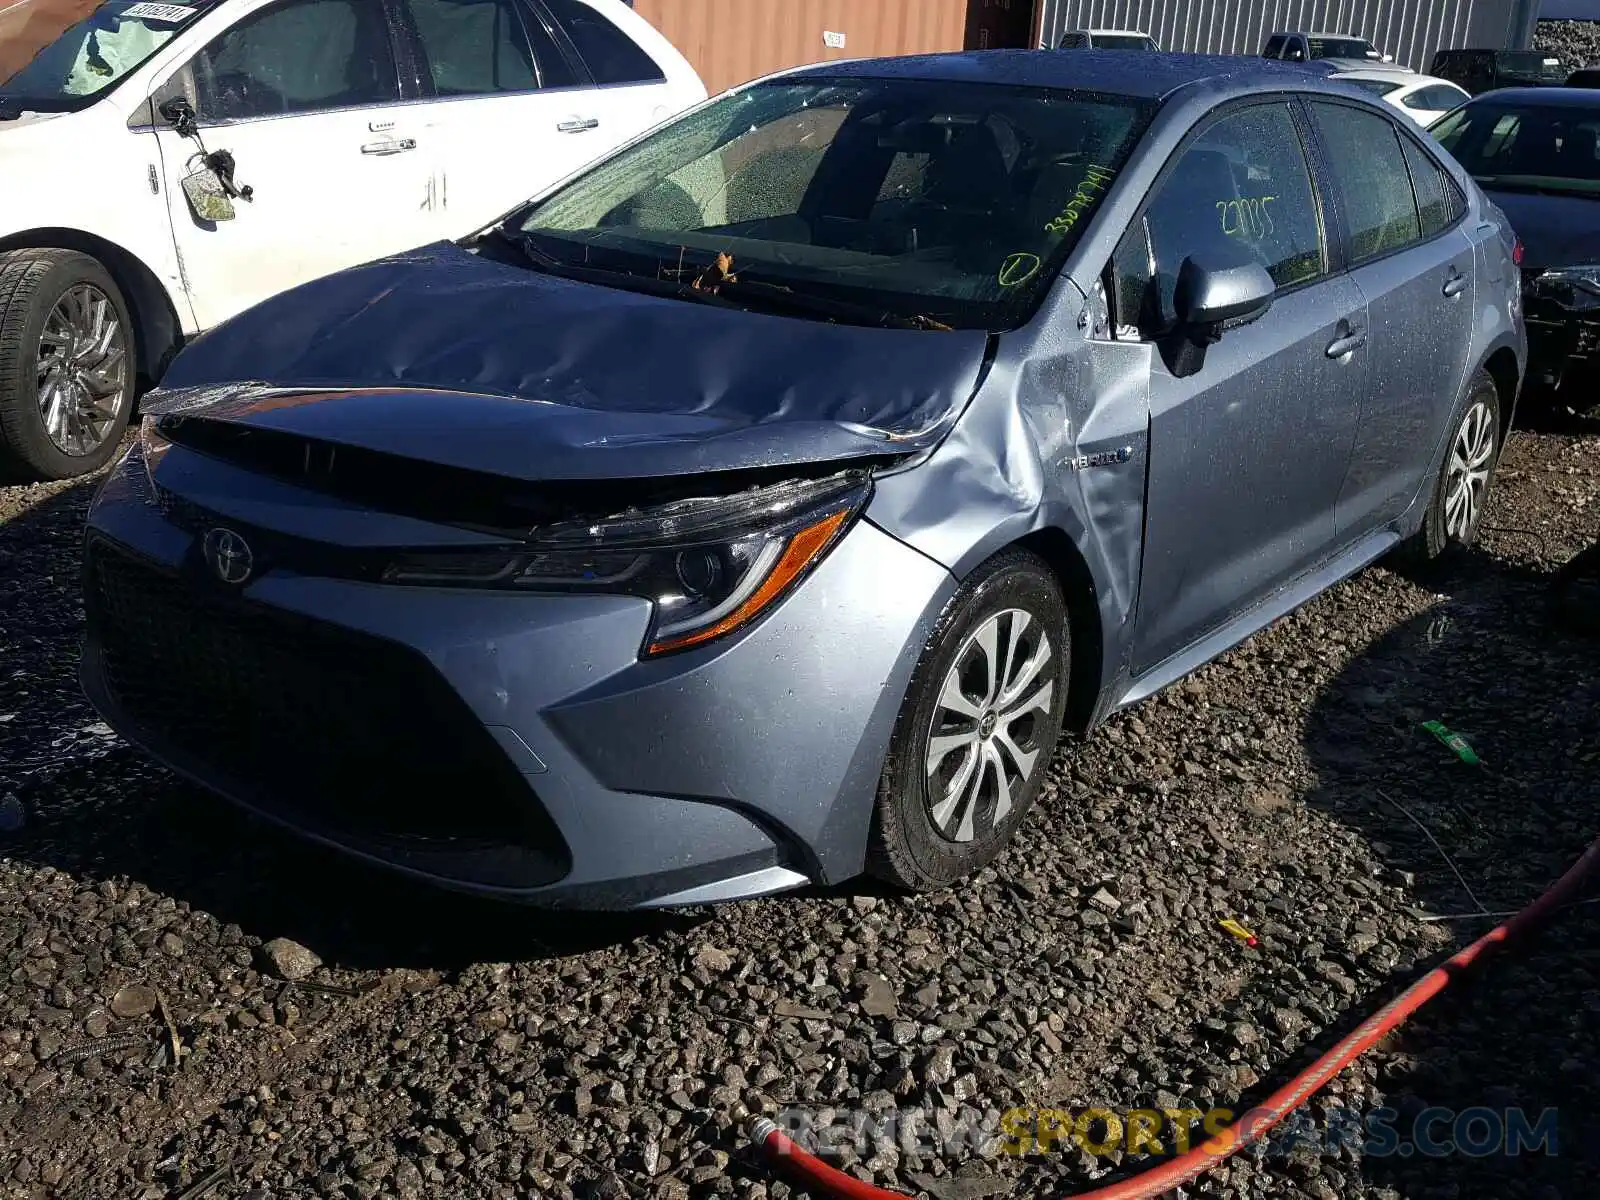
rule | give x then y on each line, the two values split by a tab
760	506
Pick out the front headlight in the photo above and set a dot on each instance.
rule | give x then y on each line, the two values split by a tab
1577	288
710	565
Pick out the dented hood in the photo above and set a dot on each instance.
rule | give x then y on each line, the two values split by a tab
445	356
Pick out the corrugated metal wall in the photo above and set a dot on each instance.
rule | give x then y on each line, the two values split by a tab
1411	30
730	41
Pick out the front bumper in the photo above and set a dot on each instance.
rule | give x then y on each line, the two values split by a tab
500	743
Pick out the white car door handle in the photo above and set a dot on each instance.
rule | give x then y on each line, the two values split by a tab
579	125
392	146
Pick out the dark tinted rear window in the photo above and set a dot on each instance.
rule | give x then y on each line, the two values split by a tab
611	55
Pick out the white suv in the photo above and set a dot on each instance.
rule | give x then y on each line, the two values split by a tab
164	166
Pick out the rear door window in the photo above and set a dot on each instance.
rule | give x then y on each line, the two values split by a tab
483	47
1369	164
1244	181
611	55
302	56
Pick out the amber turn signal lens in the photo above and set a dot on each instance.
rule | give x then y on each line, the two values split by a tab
804	548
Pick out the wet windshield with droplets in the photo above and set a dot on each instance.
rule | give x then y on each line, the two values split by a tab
955	202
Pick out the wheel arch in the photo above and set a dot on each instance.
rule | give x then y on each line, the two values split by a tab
158	330
1056	547
1505	369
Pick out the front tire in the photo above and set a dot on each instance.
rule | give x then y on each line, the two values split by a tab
980	722
1466	478
67	364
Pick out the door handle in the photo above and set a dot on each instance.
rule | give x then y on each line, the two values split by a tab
1455	284
579	125
1347	344
393	146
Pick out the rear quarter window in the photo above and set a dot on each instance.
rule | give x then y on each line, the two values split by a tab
1440	203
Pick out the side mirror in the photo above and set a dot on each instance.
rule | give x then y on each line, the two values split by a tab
1212	292
178	113
1225	287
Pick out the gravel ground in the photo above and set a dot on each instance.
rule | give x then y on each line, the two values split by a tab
445	1047
1577	42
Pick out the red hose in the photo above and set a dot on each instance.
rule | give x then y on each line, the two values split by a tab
824	1180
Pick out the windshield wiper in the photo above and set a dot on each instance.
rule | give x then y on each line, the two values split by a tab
542	260
782	296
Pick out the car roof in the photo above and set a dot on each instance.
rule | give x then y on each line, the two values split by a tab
1146	76
1319	33
1543	97
1127	32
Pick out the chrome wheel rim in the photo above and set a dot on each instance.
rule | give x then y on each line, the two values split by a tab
1467	484
987	737
83	370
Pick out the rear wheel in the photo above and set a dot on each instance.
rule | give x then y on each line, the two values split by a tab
980	721
1461	492
66	362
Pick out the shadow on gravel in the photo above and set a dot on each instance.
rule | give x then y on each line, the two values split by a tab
1525	1031
99	809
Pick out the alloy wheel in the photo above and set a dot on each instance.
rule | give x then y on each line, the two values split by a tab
986	738
82	370
1471	459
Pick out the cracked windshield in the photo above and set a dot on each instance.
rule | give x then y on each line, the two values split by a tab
90	55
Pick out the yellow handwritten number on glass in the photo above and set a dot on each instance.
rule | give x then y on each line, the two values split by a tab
1018	268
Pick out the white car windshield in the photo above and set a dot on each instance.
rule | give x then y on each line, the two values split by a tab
90	57
950	201
1327	47
1122	41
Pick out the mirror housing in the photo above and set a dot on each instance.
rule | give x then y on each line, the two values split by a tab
1217	290
179	113
1225	287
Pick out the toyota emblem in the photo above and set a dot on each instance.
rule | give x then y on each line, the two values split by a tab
228	555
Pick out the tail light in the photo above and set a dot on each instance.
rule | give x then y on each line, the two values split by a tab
1516	251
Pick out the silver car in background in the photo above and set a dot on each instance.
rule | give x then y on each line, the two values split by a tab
759	507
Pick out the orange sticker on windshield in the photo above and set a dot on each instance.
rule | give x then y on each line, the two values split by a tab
1018	268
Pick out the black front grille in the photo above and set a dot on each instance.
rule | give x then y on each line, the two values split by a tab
349	731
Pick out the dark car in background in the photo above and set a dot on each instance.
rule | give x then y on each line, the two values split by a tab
1585	77
1480	71
756	507
1536	152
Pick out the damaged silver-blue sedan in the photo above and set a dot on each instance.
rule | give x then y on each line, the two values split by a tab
759	506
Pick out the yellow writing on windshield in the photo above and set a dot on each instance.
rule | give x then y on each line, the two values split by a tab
1247	217
1089	191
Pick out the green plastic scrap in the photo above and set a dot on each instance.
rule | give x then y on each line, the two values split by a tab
1455	741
